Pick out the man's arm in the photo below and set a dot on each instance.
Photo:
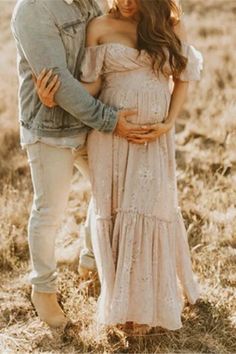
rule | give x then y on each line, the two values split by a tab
40	41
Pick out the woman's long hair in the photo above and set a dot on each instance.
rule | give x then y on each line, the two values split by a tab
155	33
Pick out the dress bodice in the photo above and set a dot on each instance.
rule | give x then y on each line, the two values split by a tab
113	58
129	80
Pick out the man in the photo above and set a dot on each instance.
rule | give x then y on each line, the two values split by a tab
51	34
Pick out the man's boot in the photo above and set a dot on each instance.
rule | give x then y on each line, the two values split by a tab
48	309
85	273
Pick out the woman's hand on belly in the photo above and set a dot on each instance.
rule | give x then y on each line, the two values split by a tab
155	131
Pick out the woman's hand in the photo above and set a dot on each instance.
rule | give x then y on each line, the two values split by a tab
156	130
47	85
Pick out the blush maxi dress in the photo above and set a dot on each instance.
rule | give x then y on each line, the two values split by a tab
139	238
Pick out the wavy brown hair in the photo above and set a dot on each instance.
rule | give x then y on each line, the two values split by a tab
155	33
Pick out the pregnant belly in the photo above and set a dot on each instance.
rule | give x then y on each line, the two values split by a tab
152	104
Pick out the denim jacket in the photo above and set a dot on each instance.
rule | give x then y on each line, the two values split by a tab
51	34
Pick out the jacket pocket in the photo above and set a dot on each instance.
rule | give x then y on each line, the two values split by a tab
72	28
73	38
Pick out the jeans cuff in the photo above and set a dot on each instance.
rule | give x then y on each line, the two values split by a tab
86	261
44	289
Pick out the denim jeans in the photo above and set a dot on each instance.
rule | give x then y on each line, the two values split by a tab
51	171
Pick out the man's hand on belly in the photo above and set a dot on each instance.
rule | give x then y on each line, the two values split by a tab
132	132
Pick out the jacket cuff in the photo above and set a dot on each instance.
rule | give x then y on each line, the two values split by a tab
110	120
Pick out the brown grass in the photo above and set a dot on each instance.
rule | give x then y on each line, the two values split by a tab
206	158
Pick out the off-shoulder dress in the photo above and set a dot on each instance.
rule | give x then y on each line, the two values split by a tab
139	238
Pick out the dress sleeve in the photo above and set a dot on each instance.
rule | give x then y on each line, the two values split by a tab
93	63
192	72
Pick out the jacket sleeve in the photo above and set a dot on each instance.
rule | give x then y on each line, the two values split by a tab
39	39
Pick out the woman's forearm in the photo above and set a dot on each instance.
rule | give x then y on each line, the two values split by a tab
178	99
93	88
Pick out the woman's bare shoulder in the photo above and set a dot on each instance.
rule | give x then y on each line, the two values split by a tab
97	27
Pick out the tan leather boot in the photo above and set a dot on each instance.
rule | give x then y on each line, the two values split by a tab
85	273
48	309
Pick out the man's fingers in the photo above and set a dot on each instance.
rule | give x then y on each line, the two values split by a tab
141	141
140	132
129	112
129	125
143	137
139	136
143	134
154	127
137	127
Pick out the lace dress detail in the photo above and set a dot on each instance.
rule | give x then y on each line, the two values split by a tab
139	239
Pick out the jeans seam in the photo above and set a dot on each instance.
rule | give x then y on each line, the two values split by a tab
42	171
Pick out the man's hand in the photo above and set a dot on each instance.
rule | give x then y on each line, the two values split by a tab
137	133
130	131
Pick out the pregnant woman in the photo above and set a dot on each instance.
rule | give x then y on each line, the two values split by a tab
137	56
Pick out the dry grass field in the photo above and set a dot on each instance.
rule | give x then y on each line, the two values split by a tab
206	158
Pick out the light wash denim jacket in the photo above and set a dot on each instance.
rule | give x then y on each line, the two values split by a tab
51	34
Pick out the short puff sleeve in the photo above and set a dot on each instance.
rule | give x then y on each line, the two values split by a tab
192	72
93	63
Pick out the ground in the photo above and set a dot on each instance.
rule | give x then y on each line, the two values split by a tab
206	162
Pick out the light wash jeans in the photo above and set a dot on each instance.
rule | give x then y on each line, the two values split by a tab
51	171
